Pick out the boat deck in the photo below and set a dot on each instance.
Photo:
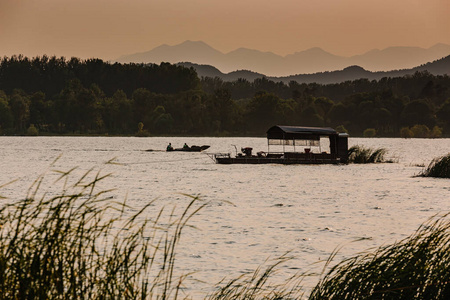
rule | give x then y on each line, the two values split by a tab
278	158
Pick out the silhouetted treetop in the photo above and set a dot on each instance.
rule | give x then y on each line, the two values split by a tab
51	74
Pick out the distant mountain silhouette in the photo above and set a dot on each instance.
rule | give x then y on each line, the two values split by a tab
395	58
187	51
305	62
213	72
437	67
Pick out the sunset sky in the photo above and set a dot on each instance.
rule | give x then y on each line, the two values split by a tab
110	28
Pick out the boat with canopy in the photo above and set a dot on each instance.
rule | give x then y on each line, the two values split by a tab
294	145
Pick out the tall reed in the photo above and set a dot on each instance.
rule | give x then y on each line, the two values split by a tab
362	155
439	167
258	285
82	244
414	268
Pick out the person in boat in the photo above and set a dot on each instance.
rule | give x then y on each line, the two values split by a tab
169	147
185	146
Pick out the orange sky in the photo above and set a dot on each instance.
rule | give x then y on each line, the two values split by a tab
111	28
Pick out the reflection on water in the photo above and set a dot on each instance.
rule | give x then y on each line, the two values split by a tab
254	212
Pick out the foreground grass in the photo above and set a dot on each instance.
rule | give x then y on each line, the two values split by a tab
439	167
362	155
257	285
415	268
81	244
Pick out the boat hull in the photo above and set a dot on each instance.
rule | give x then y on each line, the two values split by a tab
191	149
286	159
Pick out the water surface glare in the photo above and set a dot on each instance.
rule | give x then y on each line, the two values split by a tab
254	212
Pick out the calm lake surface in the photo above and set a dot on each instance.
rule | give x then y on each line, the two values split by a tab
254	212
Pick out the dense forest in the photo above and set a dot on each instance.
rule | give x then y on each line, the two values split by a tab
52	96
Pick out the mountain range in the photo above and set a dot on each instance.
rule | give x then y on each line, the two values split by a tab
437	67
314	60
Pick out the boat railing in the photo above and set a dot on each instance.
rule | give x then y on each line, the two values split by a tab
222	154
214	156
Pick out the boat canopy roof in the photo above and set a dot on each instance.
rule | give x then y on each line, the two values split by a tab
279	132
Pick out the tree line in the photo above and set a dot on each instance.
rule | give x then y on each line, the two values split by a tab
50	95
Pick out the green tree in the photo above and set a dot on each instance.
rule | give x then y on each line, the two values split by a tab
323	106
38	110
287	109
443	114
310	117
262	112
436	132
339	114
420	131
341	129
224	109
418	112
19	105
32	131
370	132
117	113
162	121
406	133
141	131
6	117
144	102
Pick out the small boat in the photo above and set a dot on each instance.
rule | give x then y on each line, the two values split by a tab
191	148
295	145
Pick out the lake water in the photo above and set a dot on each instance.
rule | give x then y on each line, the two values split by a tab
309	210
